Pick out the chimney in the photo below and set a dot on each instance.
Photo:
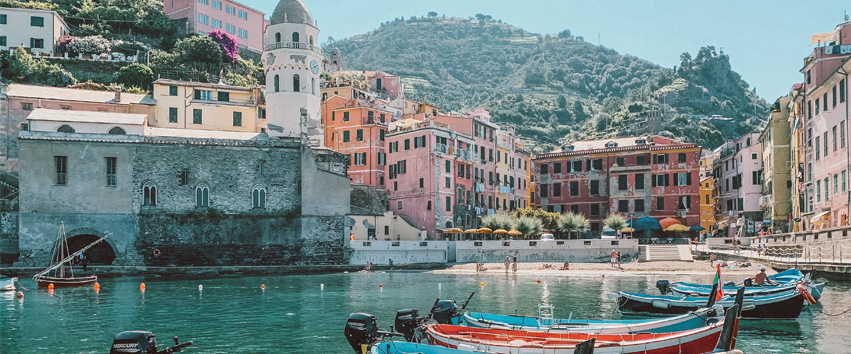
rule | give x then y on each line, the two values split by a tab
118	94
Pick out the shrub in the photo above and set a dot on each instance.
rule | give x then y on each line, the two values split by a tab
135	75
227	44
86	45
198	49
615	221
23	68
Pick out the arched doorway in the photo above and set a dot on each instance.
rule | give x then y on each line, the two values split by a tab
100	254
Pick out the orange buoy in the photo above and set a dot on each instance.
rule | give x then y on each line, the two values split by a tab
482	284
380	285
50	286
97	286
262	286
142	287
20	294
539	281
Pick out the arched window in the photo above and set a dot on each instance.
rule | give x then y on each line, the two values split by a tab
117	131
149	194
258	197
313	86
295	37
65	129
311	40
202	196
277	83
296	83
278	37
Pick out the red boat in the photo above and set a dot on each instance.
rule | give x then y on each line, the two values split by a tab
700	340
61	273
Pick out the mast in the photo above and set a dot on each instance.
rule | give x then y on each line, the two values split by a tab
63	244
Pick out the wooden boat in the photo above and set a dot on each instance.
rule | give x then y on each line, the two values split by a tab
782	305
689	289
8	284
393	347
696	319
60	273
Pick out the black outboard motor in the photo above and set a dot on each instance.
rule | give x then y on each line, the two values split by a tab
730	284
445	311
664	286
361	329
406	323
142	342
748	281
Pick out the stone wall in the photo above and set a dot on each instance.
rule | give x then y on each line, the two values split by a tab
8	237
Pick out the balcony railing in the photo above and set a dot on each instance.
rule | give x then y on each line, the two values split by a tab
293	45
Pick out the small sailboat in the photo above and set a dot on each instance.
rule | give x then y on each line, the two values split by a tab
61	273
7	284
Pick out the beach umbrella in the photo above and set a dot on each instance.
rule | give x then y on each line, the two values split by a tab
514	232
454	230
627	229
668	222
485	230
471	231
500	231
645	223
677	227
697	228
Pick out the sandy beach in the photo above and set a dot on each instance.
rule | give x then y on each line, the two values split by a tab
598	269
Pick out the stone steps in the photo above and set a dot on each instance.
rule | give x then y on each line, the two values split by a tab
654	253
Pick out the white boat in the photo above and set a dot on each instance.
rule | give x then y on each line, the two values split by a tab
7	284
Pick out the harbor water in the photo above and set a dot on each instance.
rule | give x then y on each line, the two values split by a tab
306	313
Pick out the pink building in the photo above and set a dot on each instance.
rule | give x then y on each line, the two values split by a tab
738	185
247	25
430	175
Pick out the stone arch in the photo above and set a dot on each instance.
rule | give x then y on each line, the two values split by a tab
104	253
449	224
278	37
117	131
65	128
295	37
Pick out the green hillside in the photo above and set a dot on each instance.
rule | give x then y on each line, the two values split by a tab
555	88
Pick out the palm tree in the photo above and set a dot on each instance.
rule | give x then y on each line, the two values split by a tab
529	226
615	221
573	223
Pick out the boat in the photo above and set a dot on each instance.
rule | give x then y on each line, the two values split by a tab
142	342
8	284
781	305
545	322
61	273
789	276
704	290
395	347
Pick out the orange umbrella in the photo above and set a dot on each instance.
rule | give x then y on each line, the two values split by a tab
668	222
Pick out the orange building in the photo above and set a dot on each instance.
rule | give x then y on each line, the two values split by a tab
358	129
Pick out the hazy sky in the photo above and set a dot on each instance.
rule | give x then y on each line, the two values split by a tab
766	40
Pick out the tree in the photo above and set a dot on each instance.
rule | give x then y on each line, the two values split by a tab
495	222
432	14
198	49
227	44
615	221
529	226
23	68
572	223
136	74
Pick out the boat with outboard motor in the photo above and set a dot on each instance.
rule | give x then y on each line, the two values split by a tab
8	284
782	305
142	342
689	289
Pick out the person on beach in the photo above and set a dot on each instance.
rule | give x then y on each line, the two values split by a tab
390	262
614	258
619	261
712	260
507	261
761	278
368	266
514	266
566	265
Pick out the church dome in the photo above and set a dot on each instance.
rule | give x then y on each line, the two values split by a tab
291	11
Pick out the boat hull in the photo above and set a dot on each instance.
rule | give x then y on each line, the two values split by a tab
7	284
44	282
785	306
686	289
521	342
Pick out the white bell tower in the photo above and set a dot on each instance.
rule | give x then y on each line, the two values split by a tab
293	64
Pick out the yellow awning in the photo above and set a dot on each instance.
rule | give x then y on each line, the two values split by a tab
485	230
500	231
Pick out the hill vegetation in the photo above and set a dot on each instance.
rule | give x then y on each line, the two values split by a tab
556	88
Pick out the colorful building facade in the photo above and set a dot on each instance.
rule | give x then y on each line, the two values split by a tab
359	130
203	16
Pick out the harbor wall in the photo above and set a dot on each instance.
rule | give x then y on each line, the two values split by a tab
400	252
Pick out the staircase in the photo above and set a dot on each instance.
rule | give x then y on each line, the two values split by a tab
656	253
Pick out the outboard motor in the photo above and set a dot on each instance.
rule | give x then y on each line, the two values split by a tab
406	323
748	281
730	284
445	311
142	342
361	329
664	286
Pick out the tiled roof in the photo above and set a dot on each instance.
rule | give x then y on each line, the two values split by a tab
291	11
78	95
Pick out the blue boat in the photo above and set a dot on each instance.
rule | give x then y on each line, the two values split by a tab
789	276
689	289
781	305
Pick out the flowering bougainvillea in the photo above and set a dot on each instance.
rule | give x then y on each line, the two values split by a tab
228	44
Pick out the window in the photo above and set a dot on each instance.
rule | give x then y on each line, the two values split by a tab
172	114
818	107
660	158
223	96
448	182
660	203
295	37
3	41
422	183
37	43
149	194
595	187
639	205
359	135
448	167
834	96
595	209
818	191
826	188
556	167
835	183
382	119
683	179
623	206
205	2
204	95
623	183
345	116
111	163
661	180
408	147
545	169
203	19
620	161
243	33
65	129
842	90
825	144
243	15
61	169
835	145
682	157
753	157
258	197
277	82
818	148
37	21
577	166
117	131
574	209
598	164
824	99
809	109
2	19
639	181
346	136
230	29
574	189
842	134
197	116
202	196
843	181
556	189
217	4
448	203
172	90
237	119
544	190
296	83
230	10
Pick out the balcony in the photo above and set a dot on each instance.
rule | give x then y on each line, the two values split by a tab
293	45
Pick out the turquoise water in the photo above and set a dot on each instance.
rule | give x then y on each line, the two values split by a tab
293	315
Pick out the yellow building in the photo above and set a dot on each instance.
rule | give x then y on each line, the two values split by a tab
207	106
707	204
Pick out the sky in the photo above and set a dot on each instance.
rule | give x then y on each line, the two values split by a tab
766	40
